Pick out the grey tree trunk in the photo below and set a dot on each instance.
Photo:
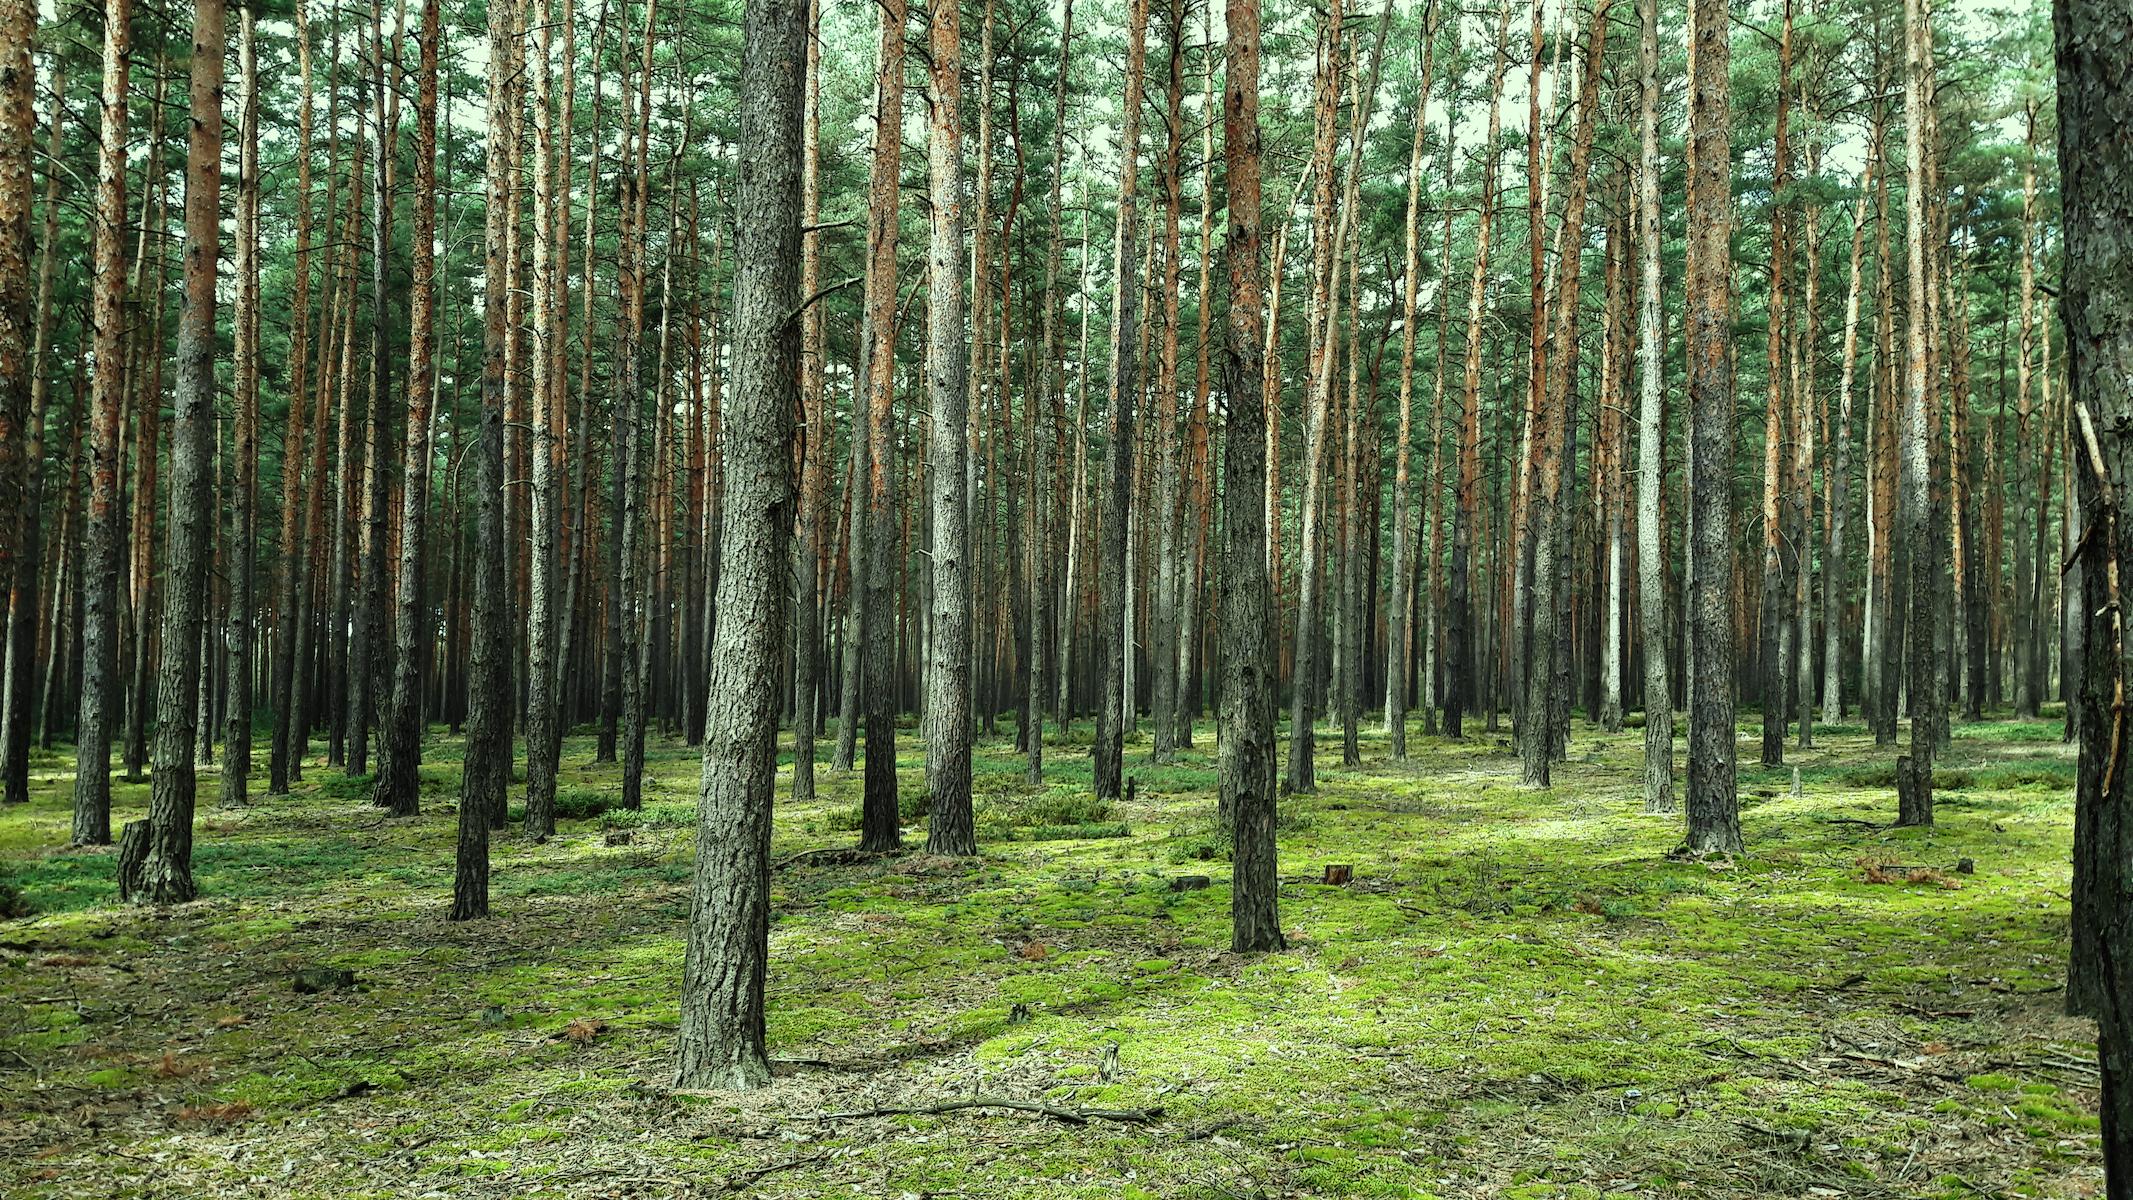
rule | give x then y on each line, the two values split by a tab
948	449
721	1022
1113	613
164	875
1651	434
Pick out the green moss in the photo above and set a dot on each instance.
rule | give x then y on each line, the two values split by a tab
1470	1016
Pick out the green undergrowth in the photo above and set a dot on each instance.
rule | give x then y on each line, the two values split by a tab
1518	993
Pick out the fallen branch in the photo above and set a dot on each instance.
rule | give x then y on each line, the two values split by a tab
1072	1116
834	854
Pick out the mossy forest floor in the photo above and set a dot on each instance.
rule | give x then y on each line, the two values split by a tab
1520	994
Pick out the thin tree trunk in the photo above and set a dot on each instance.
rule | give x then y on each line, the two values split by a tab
399	776
1915	775
1399	650
100	551
880	827
1461	658
244	507
1113	611
487	775
20	649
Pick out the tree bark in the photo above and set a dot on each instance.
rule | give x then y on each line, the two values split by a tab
1111	577
1713	805
1247	752
399	775
948	678
166	875
100	550
722	1035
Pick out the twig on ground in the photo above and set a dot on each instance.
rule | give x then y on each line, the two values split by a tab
1072	1116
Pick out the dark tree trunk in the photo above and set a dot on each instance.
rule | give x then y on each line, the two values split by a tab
2096	172
1247	753
399	775
722	1027
487	774
166	871
1713	804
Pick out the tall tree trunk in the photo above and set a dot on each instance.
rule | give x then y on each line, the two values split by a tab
948	678
1113	612
20	650
1247	766
1771	667
1833	569
399	775
722	1036
1915	776
100	551
1460	633
487	776
21	348
551	219
1302	774
1399	648
879	824
1163	631
2096	173
629	442
366	659
1558	411
164	875
1713	805
815	435
244	505
289	616
1052	383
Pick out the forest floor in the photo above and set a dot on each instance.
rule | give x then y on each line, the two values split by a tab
1520	994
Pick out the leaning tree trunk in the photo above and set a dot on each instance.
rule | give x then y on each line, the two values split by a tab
163	874
721	1024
